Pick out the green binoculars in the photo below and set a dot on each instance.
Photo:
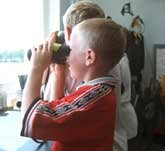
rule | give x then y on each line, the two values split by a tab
60	49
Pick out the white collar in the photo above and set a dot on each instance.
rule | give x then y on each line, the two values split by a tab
99	80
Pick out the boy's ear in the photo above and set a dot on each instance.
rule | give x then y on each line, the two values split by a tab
90	57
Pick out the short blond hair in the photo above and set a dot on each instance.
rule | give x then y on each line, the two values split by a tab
104	36
80	11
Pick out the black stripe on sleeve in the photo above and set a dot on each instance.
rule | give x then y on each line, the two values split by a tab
26	114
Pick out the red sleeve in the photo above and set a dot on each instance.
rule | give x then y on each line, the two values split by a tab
72	117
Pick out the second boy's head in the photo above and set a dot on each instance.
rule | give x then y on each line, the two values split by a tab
96	47
79	12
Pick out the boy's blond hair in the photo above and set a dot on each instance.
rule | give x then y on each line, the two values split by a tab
80	11
104	36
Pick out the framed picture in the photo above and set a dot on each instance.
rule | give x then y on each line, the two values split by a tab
159	50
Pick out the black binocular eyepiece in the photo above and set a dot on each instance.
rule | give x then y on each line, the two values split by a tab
60	50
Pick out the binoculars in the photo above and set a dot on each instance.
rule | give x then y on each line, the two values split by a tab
60	49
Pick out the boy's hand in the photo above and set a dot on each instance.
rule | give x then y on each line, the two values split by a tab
41	57
57	81
57	68
52	38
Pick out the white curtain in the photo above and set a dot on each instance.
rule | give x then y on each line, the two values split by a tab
51	16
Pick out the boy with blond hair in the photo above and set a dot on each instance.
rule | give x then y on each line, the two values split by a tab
85	119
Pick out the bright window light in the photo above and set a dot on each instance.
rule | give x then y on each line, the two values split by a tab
21	23
21	28
24	24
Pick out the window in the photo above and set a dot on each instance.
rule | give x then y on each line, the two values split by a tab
21	27
24	23
21	23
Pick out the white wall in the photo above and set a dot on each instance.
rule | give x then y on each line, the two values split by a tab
64	4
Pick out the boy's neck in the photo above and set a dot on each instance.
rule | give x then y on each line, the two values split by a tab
94	75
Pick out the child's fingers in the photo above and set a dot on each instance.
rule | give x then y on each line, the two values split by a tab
45	46
52	39
39	48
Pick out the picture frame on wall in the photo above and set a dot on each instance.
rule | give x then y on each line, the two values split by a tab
159	50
